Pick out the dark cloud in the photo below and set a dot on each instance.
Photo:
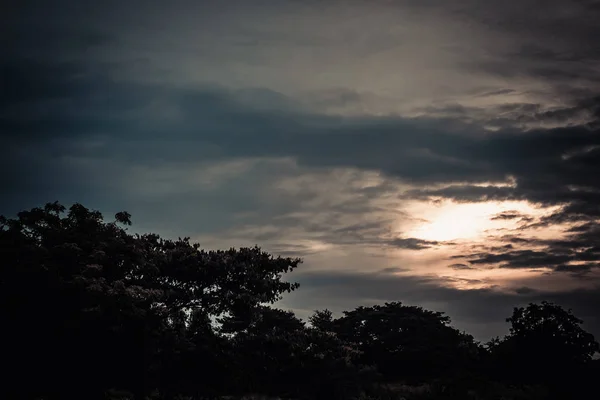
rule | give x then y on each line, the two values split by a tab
412	243
55	113
525	290
515	239
520	259
213	123
459	266
583	109
541	52
577	253
466	193
393	270
575	269
507	215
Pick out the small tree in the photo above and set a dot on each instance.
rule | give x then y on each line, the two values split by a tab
322	320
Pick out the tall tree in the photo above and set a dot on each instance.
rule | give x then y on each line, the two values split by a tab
88	306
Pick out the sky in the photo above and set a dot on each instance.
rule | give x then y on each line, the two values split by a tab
442	154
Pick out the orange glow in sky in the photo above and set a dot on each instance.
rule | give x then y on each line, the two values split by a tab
457	221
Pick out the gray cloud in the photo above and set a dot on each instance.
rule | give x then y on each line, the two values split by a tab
525	290
213	123
116	126
577	253
507	215
392	270
460	266
194	118
412	243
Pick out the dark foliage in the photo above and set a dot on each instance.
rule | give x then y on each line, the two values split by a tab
406	342
90	310
546	345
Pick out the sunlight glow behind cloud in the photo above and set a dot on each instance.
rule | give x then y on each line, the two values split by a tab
461	221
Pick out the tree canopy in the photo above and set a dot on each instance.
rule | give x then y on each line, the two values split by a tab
545	344
89	308
78	289
405	341
547	328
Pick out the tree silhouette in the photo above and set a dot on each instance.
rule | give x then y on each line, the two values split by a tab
545	326
87	302
405	342
322	320
88	308
546	345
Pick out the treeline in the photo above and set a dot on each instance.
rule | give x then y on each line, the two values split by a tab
90	310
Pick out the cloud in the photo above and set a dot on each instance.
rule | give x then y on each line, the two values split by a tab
119	130
576	253
459	266
213	123
412	243
392	270
521	259
525	290
507	215
459	53
290	124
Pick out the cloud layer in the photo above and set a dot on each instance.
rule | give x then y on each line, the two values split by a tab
454	147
